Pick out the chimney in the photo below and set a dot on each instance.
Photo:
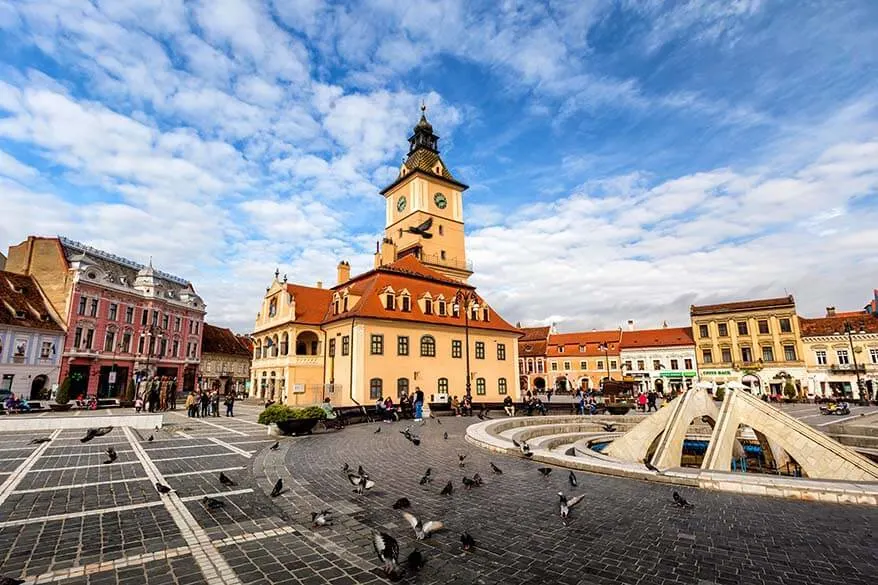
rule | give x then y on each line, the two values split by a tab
830	311
319	284
344	272
630	324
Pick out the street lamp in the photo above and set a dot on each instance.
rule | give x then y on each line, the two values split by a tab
606	349
462	300
152	332
849	330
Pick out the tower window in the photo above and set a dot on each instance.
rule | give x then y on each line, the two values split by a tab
442	254
441	230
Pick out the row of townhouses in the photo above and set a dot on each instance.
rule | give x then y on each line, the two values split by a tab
762	345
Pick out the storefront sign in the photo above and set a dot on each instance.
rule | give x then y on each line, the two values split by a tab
716	373
677	373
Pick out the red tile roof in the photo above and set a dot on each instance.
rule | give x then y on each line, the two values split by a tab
409	274
665	337
590	341
740	306
221	340
531	348
823	326
22	303
535	333
311	303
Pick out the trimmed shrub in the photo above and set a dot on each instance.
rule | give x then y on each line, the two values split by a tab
720	393
63	394
789	389
281	412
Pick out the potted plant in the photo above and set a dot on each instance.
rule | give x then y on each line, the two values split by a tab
290	420
62	397
789	390
620	408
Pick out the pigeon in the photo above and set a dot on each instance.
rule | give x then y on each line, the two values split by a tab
401	503
609	428
523	447
516	443
111	453
438	420
426	478
446	491
378	430
415	441
10	581
681	502
468	483
571	477
496	469
445	436
467	541
422	530
415	560
545	471
275	447
278	488
361	482
650	466
483	414
460	459
321	518
92	433
388	551
566	505
37	442
150	439
212	503
361	471
162	489
226	480
345	468
477	479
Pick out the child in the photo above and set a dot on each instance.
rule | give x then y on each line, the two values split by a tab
138	405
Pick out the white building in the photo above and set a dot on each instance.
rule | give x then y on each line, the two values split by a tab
659	359
31	339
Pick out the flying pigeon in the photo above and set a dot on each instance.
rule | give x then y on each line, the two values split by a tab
212	503
150	439
545	471
321	518
571	477
361	482
460	459
523	447
226	480
422	229
111	453
446	491
496	469
445	436
467	541
650	466
681	502
422	530
566	505
37	442
609	428
415	560
275	447
92	433
415	440
278	488
162	489
401	503
378	430
388	551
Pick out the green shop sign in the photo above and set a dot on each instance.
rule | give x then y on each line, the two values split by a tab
677	374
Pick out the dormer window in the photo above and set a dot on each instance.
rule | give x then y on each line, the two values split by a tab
345	304
428	306
485	314
390	302
560	349
406	302
335	307
442	306
581	349
20	314
455	310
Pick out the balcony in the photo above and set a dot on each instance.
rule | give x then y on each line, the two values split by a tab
435	259
847	369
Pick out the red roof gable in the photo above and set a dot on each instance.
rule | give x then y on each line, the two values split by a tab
668	336
221	340
739	306
824	326
311	303
589	342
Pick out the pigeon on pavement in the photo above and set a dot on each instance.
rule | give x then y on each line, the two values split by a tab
278	488
388	551
681	502
37	442
111	453
226	480
321	518
545	471
162	489
212	503
496	469
571	477
275	447
467	541
401	503
425	529
446	491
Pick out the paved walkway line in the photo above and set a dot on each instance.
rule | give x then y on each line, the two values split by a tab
184	473
15	459
192	457
213	566
91	568
255	536
102	453
22	448
13	480
116	464
230	447
77	485
218	495
839	420
151	449
202	421
83	514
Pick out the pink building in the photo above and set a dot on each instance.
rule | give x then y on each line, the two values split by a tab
124	320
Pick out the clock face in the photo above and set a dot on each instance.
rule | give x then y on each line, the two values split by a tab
400	204
440	200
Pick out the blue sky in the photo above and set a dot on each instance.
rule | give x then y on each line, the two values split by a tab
626	159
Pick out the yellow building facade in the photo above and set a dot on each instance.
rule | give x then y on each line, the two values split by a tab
412	322
756	343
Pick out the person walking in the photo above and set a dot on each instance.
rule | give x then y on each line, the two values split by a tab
650	401
172	394
215	400
190	405
419	404
230	404
641	401
205	404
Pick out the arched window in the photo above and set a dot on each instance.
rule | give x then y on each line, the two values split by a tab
375	388
428	346
480	386
257	350
442	386
285	344
402	387
274	346
501	386
272	307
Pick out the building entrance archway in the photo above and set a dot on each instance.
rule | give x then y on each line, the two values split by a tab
539	384
37	387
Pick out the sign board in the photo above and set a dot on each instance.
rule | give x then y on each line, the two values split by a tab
298	388
716	373
111	378
677	373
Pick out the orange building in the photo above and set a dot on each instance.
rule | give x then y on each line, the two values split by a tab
532	348
583	360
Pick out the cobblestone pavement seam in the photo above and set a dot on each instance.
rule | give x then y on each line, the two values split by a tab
230	447
13	480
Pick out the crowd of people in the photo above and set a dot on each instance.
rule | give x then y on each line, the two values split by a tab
410	406
156	394
13	405
204	403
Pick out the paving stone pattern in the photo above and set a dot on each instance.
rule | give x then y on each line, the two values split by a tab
623	532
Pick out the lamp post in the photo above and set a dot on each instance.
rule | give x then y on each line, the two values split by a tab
606	349
462	300
152	332
849	330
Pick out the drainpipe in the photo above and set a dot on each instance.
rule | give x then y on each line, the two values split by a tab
325	355
354	400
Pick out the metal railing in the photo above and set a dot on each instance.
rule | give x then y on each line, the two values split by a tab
450	262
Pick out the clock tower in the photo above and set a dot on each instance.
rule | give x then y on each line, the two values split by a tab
424	209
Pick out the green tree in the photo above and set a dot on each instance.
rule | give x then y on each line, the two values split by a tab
63	394
789	389
720	392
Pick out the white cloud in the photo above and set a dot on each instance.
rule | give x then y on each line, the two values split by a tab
15	169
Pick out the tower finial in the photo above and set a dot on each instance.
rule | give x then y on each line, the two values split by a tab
423	106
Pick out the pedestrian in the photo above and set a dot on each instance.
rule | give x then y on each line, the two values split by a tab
172	390
205	404
419	404
190	405
467	405
163	393
455	406
138	404
214	407
580	400
230	404
650	400
641	401
509	406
